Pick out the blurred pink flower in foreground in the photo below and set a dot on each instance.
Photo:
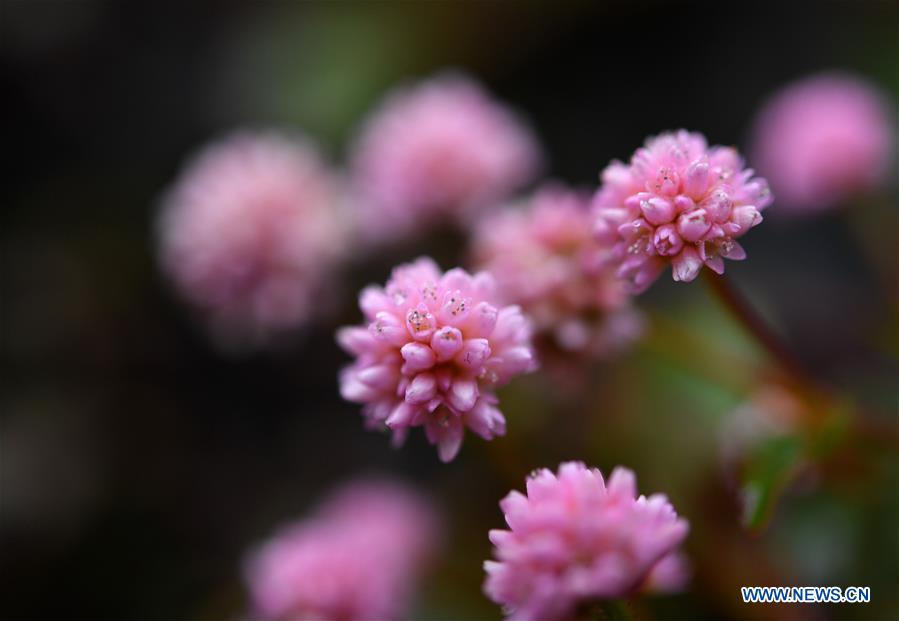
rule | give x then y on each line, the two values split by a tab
437	150
822	139
575	540
545	258
434	348
357	558
250	234
678	202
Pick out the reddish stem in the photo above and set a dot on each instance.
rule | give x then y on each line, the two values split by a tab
766	337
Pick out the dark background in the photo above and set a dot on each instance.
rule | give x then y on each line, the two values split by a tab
138	463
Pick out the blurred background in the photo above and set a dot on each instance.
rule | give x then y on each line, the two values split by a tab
139	463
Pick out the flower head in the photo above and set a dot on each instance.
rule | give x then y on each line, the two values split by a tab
357	557
822	139
439	149
575	539
431	353
679	202
250	232
545	258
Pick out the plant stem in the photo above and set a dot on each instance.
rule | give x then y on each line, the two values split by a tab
877	429
755	325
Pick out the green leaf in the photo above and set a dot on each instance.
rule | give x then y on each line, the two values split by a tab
613	610
768	471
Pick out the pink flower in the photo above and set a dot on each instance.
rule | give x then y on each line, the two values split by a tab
434	151
773	409
545	258
357	557
822	139
679	202
574	539
432	351
250	234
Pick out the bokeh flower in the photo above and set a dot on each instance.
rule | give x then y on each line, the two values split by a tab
359	556
772	410
575	539
823	139
250	234
437	151
678	202
545	258
433	349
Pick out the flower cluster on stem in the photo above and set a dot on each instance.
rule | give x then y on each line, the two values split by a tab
432	351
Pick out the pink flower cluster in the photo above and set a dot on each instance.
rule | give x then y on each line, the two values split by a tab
573	539
251	232
433	350
545	258
434	151
358	557
678	202
822	139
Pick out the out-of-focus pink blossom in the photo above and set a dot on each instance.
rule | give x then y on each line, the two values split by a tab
432	350
358	557
575	539
434	151
251	232
545	258
678	202
822	139
772	410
